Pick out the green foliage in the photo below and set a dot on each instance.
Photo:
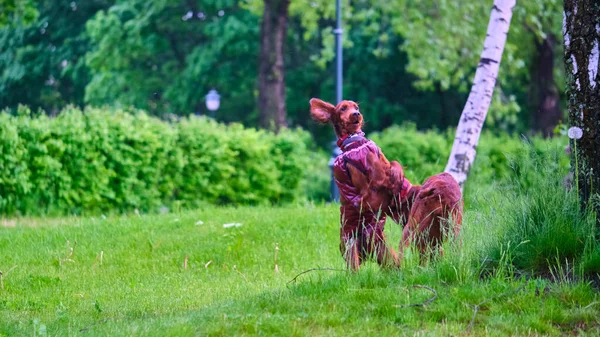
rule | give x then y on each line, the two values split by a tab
423	154
135	63
543	230
43	64
14	176
165	56
440	50
405	61
443	43
317	185
101	160
375	72
14	12
253	166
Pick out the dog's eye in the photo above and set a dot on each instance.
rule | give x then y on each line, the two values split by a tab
344	108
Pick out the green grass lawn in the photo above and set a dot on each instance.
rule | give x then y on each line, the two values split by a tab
126	276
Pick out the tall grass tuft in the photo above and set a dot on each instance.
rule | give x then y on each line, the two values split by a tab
543	231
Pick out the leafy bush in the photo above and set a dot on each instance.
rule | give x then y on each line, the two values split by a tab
101	160
317	185
423	154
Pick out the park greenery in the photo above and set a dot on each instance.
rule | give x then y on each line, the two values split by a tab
524	267
103	160
128	208
404	60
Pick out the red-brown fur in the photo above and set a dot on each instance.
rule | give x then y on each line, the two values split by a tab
341	116
429	211
346	120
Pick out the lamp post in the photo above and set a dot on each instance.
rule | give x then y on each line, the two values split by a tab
338	50
335	193
333	189
213	101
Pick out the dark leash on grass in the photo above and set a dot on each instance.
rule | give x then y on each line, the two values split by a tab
312	269
476	307
429	300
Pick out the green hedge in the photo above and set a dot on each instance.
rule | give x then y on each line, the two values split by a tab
106	160
498	156
100	160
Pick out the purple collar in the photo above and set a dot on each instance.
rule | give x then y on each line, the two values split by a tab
349	139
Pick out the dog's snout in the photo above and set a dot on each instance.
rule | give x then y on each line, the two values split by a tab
356	114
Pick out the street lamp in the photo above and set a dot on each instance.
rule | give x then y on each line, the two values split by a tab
335	193
213	100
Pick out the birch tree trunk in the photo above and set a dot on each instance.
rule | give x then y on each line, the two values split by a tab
474	113
581	30
271	76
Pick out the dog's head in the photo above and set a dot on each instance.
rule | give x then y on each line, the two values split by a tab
345	117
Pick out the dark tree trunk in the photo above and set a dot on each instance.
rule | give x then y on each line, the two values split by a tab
271	79
545	94
443	121
582	39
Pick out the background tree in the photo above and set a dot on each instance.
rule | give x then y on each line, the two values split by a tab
441	54
17	12
582	54
42	64
164	56
540	21
404	60
374	69
271	72
473	116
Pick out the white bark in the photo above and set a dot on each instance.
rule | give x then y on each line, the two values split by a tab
593	64
474	113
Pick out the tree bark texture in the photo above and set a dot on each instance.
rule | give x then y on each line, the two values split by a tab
271	75
474	113
545	93
581	30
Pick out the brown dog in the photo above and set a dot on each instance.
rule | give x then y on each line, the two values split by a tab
362	220
429	211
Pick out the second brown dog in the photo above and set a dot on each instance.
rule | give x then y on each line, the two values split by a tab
429	212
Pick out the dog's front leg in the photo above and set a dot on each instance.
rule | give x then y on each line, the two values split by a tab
351	253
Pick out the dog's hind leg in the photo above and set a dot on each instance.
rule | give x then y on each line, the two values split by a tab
386	256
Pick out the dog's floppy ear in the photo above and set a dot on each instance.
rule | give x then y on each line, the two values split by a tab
321	111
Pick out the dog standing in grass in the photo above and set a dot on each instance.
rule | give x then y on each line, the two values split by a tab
362	226
372	187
